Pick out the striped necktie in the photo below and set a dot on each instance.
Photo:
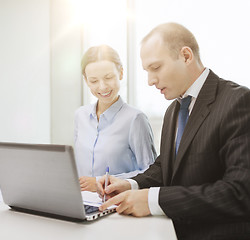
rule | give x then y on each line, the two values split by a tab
182	120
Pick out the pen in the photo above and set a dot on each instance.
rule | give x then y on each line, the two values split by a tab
106	182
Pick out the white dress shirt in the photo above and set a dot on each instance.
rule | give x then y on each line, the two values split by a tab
153	195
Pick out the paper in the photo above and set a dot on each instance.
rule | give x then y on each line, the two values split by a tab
92	198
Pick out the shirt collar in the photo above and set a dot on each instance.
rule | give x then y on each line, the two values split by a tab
197	85
111	111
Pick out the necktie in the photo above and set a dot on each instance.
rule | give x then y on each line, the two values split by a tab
182	120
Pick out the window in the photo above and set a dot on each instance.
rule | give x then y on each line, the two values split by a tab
103	22
221	29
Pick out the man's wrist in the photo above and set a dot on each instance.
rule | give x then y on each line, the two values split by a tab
153	201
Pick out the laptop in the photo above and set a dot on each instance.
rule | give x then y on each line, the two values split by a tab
42	179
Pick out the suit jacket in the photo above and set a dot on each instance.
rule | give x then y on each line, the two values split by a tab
205	189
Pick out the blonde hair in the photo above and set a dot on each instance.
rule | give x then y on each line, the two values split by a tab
98	53
175	36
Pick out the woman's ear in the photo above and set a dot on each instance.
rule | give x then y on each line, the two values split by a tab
187	54
85	79
121	73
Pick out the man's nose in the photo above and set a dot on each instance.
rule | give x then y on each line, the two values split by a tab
152	80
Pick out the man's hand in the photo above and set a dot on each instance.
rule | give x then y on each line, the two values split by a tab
88	183
134	202
115	186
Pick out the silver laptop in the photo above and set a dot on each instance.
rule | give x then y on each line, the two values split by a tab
42	179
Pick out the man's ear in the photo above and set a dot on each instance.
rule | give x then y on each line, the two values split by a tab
187	54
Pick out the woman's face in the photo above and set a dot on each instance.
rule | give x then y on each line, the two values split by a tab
103	79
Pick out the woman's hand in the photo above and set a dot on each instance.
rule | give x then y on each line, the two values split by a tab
88	183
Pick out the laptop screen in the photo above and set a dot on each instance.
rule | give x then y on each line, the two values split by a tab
40	177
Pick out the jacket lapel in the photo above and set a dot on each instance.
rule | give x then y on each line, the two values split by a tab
169	138
198	115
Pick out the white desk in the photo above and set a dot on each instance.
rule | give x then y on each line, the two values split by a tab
20	226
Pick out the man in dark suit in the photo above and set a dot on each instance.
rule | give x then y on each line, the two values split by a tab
201	179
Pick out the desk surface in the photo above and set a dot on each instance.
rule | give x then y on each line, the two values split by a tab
18	226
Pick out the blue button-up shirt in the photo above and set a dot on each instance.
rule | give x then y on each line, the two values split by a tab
121	140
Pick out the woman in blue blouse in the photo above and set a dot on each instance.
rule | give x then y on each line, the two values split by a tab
110	132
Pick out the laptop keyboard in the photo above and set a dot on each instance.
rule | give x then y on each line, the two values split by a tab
90	209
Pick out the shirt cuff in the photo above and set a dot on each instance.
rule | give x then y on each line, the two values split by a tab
134	185
153	196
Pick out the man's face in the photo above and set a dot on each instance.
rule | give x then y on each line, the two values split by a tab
167	74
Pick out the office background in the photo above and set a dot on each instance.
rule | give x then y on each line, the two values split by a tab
42	42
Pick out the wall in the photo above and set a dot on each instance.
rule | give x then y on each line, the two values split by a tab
24	71
41	83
